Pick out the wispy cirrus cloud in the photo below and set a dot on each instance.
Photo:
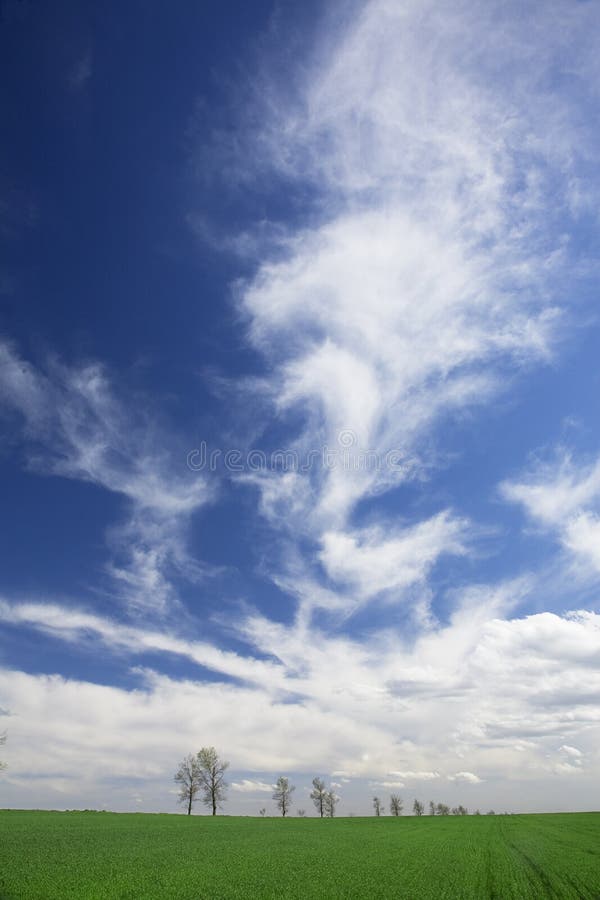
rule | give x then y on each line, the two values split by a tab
445	160
75	426
563	498
81	72
436	162
373	561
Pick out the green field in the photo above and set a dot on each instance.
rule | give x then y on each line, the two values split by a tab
89	855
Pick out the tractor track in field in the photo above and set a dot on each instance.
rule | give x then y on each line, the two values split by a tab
541	878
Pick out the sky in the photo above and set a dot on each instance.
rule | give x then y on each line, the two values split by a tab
300	450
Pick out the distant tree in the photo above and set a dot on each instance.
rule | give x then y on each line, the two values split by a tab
395	805
2	742
262	812
418	808
490	812
189	781
331	800
212	777
301	813
377	806
462	810
431	808
317	795
283	794
476	813
442	810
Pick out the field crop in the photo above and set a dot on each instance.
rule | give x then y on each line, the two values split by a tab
97	856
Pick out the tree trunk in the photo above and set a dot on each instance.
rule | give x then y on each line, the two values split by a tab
190	805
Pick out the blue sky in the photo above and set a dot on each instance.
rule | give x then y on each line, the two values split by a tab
300	453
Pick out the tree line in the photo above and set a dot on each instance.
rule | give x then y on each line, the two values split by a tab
202	777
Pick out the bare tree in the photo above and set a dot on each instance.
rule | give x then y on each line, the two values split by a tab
460	810
442	810
418	808
431	808
301	813
212	777
317	795
331	800
262	812
396	805
188	779
282	794
377	806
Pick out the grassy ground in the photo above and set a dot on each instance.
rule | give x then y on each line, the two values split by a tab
89	856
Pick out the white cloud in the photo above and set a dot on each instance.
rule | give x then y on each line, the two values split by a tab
554	493
381	346
77	626
564	498
391	785
573	752
417	776
372	560
465	778
497	701
75	426
582	538
445	158
81	72
570	761
247	786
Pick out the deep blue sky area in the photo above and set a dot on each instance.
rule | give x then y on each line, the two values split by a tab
255	228
98	181
101	179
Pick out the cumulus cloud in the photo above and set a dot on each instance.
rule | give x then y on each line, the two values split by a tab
500	700
465	778
391	785
446	150
417	776
570	761
247	786
573	752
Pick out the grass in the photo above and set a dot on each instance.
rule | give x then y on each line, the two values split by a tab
96	856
